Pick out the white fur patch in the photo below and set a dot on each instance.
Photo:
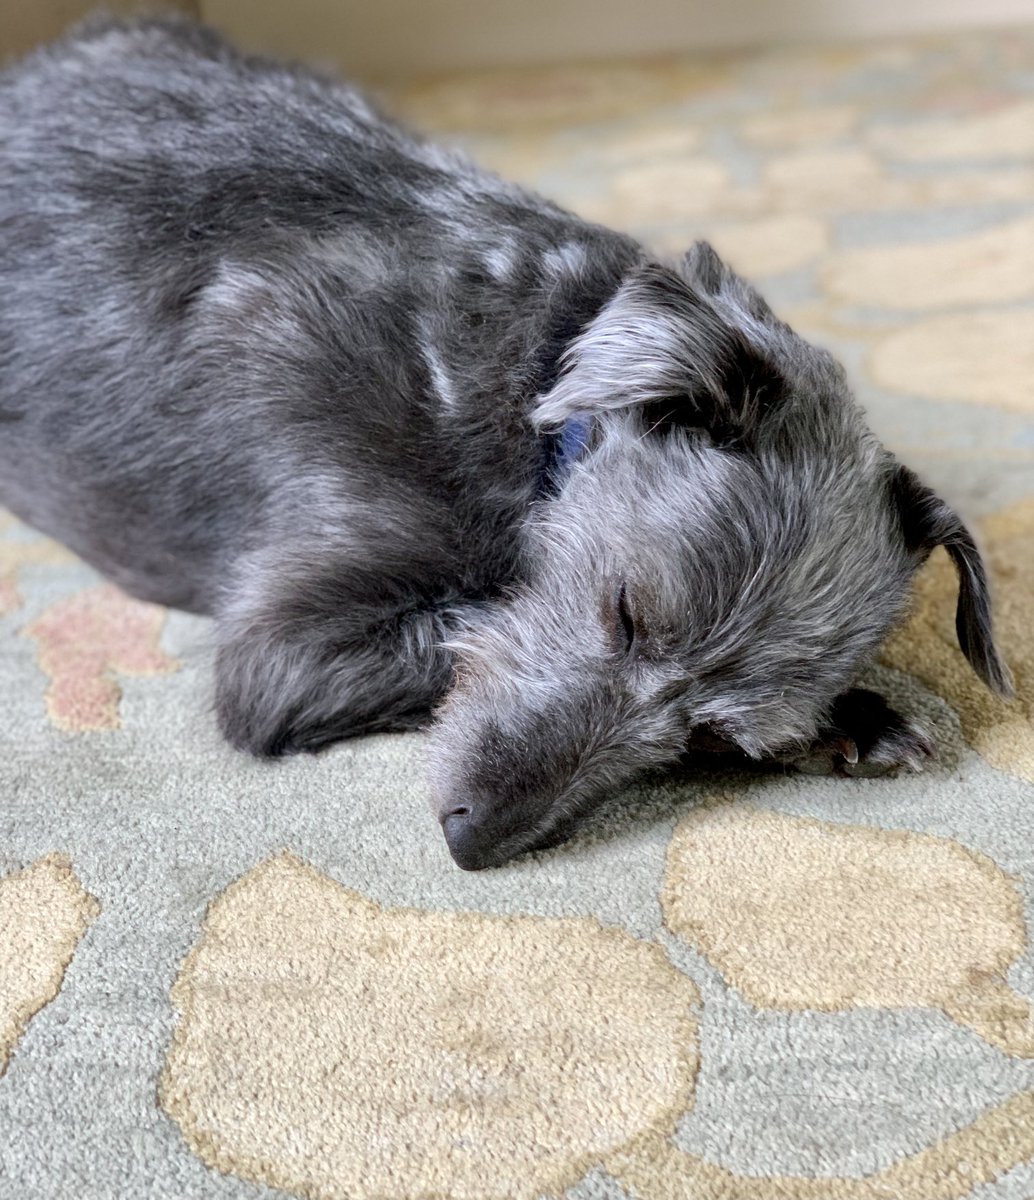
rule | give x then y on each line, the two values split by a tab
235	286
500	260
440	377
568	258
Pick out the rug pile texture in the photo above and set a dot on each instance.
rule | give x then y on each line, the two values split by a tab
225	978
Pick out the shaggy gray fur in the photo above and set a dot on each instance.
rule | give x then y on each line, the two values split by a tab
267	356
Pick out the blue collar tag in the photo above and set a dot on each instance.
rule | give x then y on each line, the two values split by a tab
574	438
563	448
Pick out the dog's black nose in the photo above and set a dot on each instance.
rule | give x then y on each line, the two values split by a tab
464	839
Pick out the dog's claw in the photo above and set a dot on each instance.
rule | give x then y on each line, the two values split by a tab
866	739
920	749
847	749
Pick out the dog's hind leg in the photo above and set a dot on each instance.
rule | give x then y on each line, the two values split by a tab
316	659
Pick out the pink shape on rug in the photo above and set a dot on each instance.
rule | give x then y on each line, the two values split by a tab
10	598
86	638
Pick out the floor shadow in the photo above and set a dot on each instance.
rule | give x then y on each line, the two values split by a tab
658	796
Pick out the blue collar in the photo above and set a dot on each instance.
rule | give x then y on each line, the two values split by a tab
561	449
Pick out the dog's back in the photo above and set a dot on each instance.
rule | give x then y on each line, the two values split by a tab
107	142
237	306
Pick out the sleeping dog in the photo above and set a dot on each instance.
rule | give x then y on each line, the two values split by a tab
408	432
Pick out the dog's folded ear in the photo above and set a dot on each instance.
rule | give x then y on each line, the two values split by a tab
705	271
693	348
927	521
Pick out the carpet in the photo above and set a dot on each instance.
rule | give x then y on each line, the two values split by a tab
227	978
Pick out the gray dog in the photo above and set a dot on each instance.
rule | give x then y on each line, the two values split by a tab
409	432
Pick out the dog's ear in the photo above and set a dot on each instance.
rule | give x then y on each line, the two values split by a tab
927	521
704	271
690	348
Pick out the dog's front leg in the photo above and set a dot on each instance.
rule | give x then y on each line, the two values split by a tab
866	737
313	660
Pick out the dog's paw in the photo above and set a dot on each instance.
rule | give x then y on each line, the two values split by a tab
865	738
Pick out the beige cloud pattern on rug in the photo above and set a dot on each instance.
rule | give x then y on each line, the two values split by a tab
820	177
822	180
23	552
648	142
763	247
926	647
85	638
801	914
504	99
418	1054
44	913
800	126
664	191
1007	132
850	178
977	358
993	266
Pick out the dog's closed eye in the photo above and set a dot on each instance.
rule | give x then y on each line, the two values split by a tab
620	620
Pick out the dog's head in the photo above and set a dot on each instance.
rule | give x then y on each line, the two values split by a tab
731	546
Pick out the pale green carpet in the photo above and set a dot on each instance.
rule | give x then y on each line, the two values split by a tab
219	977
